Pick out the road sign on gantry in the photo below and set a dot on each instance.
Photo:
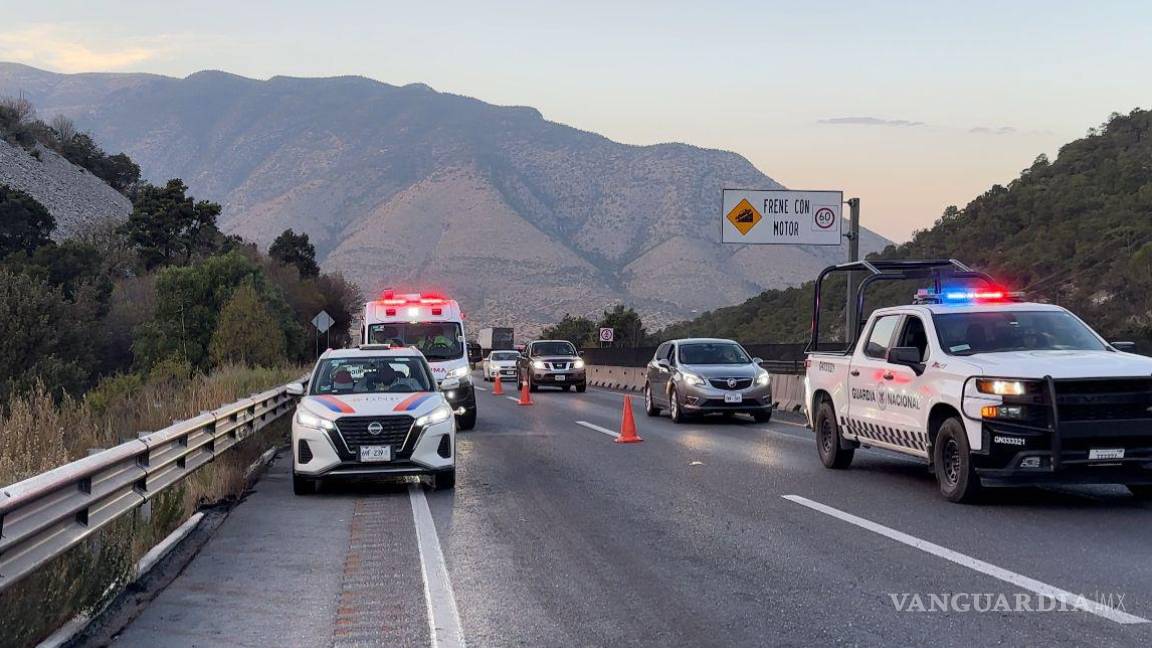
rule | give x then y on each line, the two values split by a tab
781	217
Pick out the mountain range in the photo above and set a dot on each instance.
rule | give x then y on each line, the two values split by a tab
520	218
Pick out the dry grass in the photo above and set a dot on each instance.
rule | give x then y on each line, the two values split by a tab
37	435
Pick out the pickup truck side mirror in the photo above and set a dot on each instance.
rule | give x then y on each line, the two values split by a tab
663	365
908	357
1126	347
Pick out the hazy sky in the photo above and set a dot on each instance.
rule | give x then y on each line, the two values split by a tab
910	105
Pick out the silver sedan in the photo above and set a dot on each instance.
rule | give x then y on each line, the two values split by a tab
706	376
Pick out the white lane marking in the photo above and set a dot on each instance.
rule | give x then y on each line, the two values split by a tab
443	616
479	388
975	564
599	429
513	399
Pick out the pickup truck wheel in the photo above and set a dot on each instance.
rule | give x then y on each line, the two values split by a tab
762	417
532	387
953	462
1141	491
649	405
828	439
581	388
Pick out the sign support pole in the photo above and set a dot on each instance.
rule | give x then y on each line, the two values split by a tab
850	330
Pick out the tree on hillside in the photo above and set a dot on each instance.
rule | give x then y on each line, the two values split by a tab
247	332
25	224
294	249
43	337
188	303
629	328
167	226
580	331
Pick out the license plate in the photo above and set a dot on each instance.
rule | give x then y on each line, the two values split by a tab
560	378
733	398
1106	453
375	453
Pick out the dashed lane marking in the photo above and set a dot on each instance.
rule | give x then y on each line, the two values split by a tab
1032	585
599	429
443	615
479	388
513	399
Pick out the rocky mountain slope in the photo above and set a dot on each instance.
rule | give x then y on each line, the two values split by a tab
521	218
77	199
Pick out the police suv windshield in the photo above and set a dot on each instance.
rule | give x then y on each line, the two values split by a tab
711	353
553	349
378	375
1000	332
436	340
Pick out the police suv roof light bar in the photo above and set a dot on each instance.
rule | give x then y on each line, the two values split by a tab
937	270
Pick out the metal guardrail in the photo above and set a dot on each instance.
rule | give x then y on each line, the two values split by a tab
43	516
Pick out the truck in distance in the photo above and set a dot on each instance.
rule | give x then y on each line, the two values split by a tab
987	388
495	338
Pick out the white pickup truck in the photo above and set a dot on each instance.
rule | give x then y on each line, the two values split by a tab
987	388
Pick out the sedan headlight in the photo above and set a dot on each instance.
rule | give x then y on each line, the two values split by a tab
537	364
692	379
763	378
1001	387
579	364
313	421
438	415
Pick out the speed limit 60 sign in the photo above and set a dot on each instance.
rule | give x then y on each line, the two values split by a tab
607	334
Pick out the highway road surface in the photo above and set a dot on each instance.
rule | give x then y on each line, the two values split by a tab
714	533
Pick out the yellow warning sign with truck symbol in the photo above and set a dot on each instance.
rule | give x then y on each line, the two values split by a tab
744	217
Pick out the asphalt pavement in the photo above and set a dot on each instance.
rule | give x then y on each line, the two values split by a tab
721	532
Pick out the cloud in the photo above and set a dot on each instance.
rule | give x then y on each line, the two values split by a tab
995	130
870	121
63	50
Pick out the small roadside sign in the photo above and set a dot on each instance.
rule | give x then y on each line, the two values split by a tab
323	321
781	217
607	334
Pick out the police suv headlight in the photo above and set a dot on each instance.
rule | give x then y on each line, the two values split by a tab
1002	387
763	378
537	364
579	364
312	421
693	379
438	415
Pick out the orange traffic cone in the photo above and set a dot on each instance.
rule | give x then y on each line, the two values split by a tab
498	386
628	424
525	395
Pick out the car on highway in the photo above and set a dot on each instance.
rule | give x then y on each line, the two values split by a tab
500	365
987	388
554	363
706	376
433	324
374	411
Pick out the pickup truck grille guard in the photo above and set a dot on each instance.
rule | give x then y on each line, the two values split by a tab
1084	413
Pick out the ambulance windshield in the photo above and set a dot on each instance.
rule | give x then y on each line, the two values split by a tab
436	340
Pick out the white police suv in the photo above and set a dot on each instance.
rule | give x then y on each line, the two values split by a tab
372	412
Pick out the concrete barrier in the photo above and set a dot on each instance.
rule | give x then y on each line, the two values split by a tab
787	389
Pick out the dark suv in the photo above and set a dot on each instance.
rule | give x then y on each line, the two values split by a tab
551	362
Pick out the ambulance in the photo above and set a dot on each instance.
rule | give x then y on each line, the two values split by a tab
434	325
